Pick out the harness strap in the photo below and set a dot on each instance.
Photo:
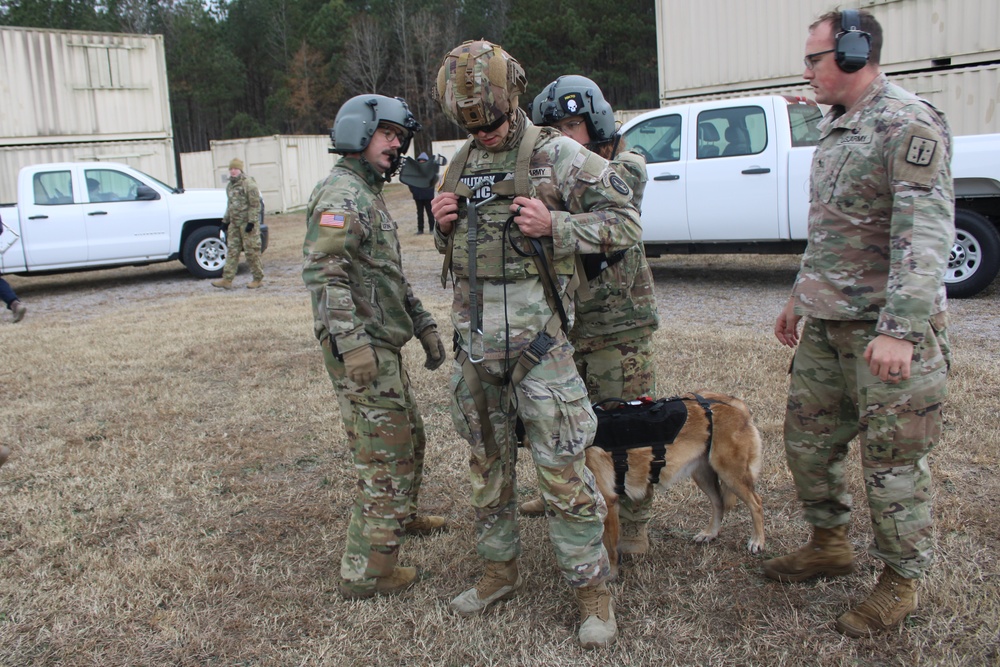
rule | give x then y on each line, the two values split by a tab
659	461
452	184
707	407
620	459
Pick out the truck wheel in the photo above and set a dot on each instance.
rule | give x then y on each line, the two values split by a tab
975	256
205	252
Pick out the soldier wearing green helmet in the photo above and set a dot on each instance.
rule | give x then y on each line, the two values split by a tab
518	204
364	312
615	322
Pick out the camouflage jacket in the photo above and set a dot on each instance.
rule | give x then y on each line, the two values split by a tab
592	212
622	303
244	201
352	264
881	218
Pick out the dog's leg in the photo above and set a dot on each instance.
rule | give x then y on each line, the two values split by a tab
743	488
708	481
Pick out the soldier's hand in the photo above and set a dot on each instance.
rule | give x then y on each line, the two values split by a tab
444	208
248	228
786	326
361	365
433	348
532	217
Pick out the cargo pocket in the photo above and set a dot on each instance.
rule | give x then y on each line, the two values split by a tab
904	420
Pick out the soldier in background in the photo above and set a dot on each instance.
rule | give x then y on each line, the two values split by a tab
510	183
873	355
616	320
240	225
364	313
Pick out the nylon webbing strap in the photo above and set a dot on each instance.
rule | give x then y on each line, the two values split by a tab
474	379
658	462
475	325
451	184
707	407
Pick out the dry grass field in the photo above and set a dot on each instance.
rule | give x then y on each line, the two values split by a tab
179	486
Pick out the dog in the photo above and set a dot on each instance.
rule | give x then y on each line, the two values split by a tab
717	445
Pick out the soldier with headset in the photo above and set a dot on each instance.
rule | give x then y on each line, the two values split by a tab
364	312
517	205
616	318
873	355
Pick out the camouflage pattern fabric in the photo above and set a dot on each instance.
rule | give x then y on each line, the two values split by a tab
589	215
881	224
833	397
881	218
550	400
360	297
243	207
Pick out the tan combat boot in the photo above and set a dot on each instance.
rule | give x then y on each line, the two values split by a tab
223	283
500	582
255	283
597	616
533	507
893	598
400	579
425	525
19	310
827	553
634	538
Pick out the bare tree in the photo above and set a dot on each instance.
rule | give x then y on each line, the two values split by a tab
367	58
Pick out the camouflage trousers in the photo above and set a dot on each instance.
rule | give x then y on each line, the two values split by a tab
387	441
832	398
552	403
621	370
237	241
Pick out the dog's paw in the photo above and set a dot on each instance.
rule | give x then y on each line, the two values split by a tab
754	547
705	536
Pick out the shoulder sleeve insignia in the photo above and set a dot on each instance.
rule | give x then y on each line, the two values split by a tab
618	184
921	151
335	220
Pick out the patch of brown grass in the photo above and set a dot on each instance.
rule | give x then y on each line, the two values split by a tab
179	488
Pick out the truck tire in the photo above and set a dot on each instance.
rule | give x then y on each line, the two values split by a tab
975	256
205	252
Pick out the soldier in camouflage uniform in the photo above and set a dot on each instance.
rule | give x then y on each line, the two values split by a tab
873	355
616	319
364	313
240	225
511	181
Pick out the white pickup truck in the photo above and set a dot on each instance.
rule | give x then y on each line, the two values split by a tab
76	216
732	176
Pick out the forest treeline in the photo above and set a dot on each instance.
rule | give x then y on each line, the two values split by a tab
245	68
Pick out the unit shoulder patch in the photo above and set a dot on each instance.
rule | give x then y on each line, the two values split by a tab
921	151
618	184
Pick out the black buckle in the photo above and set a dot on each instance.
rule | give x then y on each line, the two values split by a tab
539	346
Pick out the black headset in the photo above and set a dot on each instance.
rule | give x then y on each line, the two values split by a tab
853	45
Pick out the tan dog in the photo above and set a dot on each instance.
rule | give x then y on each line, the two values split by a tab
723	456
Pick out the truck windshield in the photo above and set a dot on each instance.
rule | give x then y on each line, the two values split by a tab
802	120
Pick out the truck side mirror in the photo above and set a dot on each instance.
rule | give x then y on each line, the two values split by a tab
146	193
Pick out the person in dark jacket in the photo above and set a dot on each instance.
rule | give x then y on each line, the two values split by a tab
423	197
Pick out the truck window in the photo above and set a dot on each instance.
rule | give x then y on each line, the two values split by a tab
52	188
803	120
110	185
657	139
731	131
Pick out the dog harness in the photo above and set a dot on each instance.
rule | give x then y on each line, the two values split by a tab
643	423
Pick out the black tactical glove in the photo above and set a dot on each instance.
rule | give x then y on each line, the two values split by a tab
248	228
224	226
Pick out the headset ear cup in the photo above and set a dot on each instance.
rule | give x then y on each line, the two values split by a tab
852	50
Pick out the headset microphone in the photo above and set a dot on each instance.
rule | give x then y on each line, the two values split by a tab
852	44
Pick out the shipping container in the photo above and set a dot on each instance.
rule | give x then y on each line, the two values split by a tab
155	158
69	86
753	45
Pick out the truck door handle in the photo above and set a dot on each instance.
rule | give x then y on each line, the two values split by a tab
667	177
98	213
757	170
38	217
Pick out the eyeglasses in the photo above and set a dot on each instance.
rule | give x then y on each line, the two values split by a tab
812	58
390	134
486	129
568	126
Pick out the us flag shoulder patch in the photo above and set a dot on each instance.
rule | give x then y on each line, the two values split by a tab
331	220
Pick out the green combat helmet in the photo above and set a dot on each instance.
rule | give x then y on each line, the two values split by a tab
574	95
359	117
478	85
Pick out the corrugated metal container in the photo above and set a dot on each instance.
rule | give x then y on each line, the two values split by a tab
724	45
286	167
67	86
155	158
197	171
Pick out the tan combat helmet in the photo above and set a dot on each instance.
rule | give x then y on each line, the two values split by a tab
478	85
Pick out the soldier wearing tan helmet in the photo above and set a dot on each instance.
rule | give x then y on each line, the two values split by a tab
241	226
518	204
